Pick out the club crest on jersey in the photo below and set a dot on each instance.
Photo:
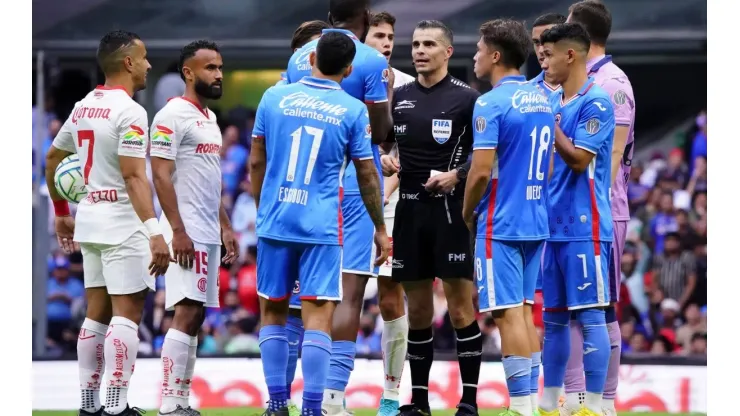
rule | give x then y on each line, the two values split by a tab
480	124
368	132
441	130
592	126
386	74
557	118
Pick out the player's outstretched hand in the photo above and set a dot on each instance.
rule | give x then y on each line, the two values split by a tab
161	257
183	250
389	164
383	244
231	244
65	229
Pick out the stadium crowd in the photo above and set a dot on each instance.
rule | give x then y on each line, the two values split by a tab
664	291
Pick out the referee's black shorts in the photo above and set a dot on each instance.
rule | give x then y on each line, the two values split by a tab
430	239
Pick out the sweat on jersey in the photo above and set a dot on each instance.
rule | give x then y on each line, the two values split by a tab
613	80
311	129
104	126
544	86
579	205
187	133
368	82
514	118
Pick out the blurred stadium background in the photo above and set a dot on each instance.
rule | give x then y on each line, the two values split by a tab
660	44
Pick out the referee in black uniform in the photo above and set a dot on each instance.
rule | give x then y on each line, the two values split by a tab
432	128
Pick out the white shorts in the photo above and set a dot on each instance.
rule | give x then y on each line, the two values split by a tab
121	268
385	269
199	283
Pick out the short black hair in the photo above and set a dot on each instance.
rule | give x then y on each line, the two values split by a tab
436	24
549	19
567	31
110	47
595	17
510	38
382	17
346	10
189	51
303	33
334	53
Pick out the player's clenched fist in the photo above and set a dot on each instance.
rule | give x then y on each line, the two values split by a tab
390	165
384	246
65	229
160	255
183	249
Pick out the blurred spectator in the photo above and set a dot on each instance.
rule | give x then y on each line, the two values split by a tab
698	181
664	221
676	173
491	335
163	328
635	262
242	338
168	86
674	271
639	343
61	293
637	193
233	160
699	142
244	218
247	283
698	344
368	341
695	323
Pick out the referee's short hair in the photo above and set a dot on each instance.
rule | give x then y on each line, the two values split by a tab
334	53
510	38
436	24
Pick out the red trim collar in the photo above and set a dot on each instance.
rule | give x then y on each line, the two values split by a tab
197	105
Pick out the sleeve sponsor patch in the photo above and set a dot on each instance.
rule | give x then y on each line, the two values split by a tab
619	97
480	124
134	138
593	125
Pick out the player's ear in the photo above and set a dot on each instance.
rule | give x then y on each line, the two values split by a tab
128	63
187	73
450	50
348	70
495	56
312	59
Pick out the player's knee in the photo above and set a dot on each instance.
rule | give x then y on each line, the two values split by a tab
420	314
272	312
317	315
99	307
390	300
508	316
557	320
129	306
353	288
189	317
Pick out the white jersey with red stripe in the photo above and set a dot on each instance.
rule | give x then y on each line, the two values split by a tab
579	206
103	126
185	132
401	78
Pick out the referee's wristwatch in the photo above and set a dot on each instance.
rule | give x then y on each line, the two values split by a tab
461	173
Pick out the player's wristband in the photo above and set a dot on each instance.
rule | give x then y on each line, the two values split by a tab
61	208
152	226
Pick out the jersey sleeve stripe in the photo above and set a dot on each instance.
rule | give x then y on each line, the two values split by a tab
484	148
161	155
258	136
625	124
364	158
585	148
376	101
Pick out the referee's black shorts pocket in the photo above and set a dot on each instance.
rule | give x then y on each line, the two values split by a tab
409	247
453	256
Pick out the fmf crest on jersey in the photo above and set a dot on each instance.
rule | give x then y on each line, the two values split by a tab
593	125
441	130
480	124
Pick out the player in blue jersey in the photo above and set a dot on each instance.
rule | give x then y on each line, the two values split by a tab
543	81
512	143
302	138
371	81
577	259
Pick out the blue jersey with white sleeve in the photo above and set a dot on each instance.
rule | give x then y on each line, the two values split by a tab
368	82
579	205
311	129
515	119
544	86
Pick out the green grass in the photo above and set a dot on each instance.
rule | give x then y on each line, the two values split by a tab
360	412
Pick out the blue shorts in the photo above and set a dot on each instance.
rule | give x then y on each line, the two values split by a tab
576	275
538	285
317	268
359	233
506	272
295	297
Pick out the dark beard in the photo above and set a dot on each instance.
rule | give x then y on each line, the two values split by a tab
211	92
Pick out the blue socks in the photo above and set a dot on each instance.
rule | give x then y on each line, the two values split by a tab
596	348
518	371
342	364
274	350
316	353
556	350
294	330
534	378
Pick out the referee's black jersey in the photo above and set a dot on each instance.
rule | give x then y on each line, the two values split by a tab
432	127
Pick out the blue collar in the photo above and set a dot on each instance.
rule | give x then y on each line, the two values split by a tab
511	78
345	31
540	77
320	83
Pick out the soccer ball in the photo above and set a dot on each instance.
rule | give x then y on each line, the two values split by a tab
69	181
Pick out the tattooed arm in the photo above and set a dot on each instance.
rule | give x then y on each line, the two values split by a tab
372	196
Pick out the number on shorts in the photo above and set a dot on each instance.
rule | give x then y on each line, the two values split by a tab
583	261
89	136
295	147
478	268
201	263
544	144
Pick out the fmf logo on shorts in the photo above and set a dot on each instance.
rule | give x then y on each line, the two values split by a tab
441	130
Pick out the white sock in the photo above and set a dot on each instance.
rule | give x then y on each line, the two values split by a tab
521	404
593	402
333	397
395	345
121	347
608	404
91	363
550	398
573	401
175	357
190	369
534	399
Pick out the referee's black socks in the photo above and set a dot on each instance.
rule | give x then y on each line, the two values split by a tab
421	355
469	350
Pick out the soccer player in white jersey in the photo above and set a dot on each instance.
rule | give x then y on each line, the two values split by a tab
381	36
186	165
116	228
